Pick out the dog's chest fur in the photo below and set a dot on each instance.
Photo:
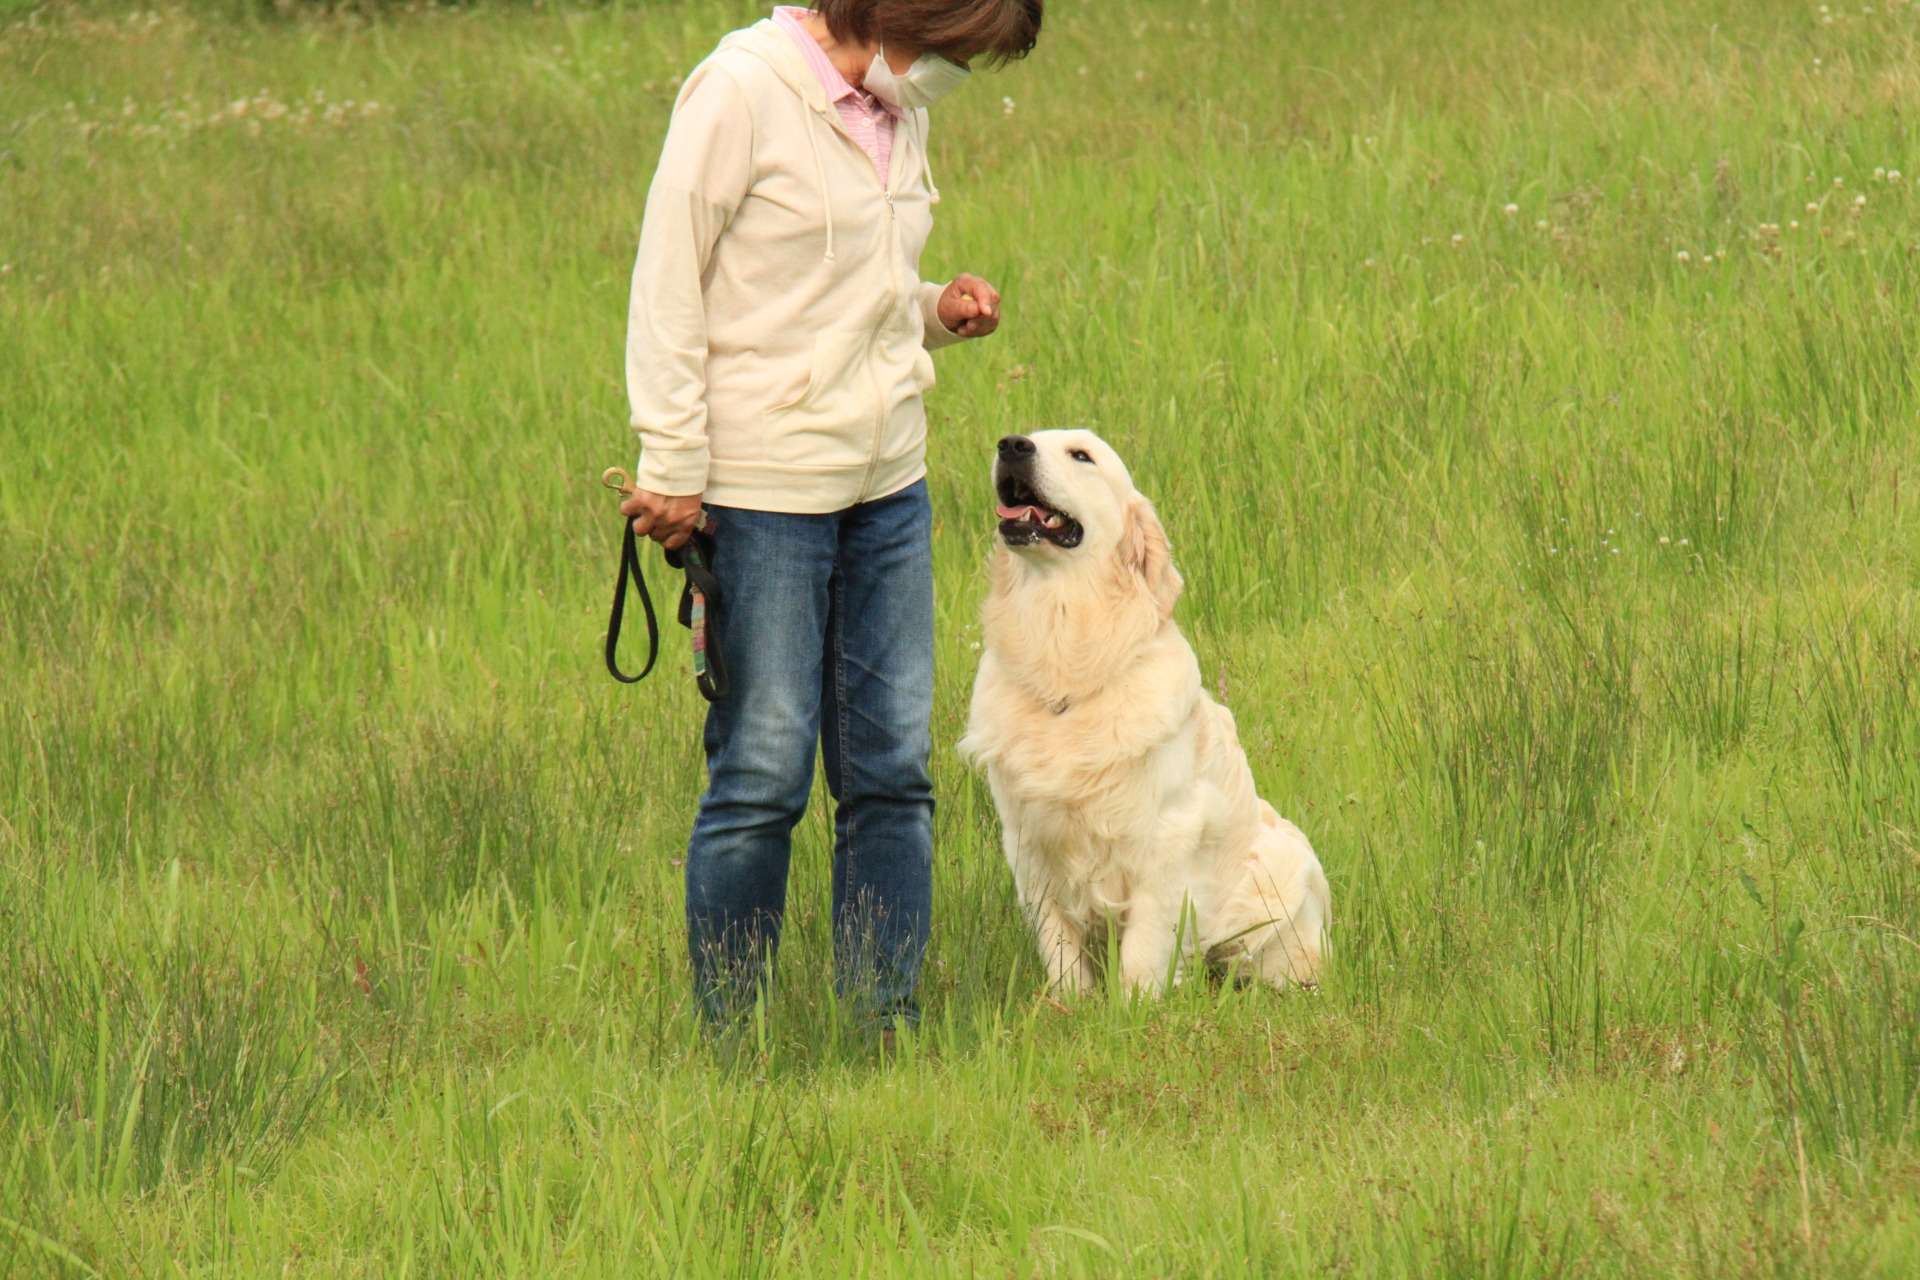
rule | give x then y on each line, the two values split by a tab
1086	785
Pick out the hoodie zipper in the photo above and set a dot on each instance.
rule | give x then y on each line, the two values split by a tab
873	340
902	138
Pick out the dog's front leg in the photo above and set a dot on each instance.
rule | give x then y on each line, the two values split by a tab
1159	938
1156	942
1063	948
1060	938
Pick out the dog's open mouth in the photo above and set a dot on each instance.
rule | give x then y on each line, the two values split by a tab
1027	518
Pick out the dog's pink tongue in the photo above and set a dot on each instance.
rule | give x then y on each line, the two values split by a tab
1016	513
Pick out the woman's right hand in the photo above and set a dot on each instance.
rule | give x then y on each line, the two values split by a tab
668	519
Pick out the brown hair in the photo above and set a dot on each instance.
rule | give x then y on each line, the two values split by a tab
999	30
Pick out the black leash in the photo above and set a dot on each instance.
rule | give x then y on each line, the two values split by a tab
630	571
699	598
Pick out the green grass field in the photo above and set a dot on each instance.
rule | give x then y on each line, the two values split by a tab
1532	393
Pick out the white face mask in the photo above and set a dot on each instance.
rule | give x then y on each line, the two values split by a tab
929	79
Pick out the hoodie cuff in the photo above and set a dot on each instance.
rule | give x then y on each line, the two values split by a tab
938	335
677	473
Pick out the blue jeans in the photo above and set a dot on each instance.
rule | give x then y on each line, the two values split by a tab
826	626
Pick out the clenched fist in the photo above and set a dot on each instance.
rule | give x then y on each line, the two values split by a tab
970	307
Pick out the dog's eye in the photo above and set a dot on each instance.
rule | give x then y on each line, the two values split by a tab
1080	455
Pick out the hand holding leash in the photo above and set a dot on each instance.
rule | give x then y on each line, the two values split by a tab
668	519
690	550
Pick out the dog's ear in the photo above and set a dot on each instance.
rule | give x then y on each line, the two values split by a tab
1144	549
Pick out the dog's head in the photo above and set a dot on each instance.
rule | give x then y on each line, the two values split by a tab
1065	500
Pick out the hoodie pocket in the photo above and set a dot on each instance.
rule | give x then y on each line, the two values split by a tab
829	421
830	369
798	395
923	373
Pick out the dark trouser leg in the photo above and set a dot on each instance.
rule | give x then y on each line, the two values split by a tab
771	625
877	710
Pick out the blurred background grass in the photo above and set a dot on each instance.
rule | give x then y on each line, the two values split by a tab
1529	390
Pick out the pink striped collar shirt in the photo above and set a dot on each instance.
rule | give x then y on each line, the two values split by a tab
868	119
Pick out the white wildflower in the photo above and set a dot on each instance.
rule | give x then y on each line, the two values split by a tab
1683	256
1511	209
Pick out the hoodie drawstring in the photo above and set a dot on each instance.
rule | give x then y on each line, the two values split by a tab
820	172
926	160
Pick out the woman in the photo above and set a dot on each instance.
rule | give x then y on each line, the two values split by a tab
777	352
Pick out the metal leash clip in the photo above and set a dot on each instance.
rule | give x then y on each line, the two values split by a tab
699	599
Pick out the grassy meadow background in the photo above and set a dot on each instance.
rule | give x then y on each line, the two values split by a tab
1530	389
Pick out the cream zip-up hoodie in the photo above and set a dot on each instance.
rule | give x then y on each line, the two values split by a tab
778	334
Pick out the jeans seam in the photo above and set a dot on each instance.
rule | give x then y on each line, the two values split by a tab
836	646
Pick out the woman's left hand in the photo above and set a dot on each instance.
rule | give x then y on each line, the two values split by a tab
970	307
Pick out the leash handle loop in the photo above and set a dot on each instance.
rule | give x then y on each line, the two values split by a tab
698	599
630	570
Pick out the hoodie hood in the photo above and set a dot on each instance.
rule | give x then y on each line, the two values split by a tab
767	42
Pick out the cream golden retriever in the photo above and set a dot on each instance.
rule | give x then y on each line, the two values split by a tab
1125	799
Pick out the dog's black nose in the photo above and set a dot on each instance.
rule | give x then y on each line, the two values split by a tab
1016	448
